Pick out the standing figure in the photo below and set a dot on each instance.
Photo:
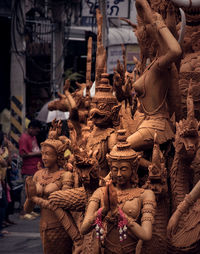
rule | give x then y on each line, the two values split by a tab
30	152
29	149
123	213
57	228
76	199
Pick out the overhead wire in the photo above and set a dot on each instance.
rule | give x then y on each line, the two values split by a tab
19	25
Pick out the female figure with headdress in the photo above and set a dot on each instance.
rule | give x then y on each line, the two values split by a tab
121	212
156	82
57	229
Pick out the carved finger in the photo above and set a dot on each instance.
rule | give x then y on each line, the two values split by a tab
112	197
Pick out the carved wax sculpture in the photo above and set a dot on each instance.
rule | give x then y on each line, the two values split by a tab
157	182
76	199
152	88
186	145
115	209
189	66
189	38
105	116
183	229
57	229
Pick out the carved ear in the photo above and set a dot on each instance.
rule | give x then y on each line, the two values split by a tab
94	154
79	85
116	109
115	114
135	60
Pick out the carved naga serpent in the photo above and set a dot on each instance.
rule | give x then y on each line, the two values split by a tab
186	144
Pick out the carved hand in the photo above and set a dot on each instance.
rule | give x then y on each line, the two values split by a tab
144	11
30	187
172	224
113	199
110	200
106	202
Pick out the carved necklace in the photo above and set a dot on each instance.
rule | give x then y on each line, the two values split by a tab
128	194
49	177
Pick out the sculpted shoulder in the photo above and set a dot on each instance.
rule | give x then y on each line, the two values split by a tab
148	195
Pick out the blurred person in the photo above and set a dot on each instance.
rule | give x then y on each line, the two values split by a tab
13	181
3	168
31	155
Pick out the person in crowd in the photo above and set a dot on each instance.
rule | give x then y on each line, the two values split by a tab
3	199
31	155
14	182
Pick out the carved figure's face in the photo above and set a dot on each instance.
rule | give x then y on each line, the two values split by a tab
49	156
190	146
101	114
121	172
85	175
88	172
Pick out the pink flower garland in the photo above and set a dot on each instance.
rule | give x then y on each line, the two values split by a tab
122	225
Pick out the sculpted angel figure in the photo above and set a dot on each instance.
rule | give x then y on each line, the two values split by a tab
154	84
114	210
57	228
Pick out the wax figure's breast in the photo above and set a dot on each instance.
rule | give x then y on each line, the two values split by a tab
48	183
133	208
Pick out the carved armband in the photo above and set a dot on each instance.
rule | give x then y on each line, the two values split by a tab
68	183
149	202
94	199
147	218
148	211
161	27
159	24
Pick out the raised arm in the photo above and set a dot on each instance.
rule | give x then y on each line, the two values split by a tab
170	50
173	49
90	216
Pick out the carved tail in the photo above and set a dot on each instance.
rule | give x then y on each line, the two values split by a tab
179	178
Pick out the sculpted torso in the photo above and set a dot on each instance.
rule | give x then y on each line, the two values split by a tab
152	87
47	183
